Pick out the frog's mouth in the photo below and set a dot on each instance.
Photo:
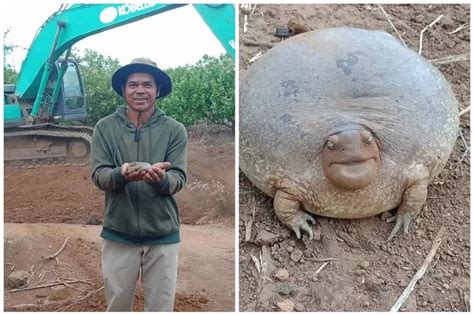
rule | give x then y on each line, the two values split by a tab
352	173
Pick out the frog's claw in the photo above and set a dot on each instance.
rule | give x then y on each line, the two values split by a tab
402	220
300	221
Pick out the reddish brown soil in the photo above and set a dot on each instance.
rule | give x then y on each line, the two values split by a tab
64	194
369	273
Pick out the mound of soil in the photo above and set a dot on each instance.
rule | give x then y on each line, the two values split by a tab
364	272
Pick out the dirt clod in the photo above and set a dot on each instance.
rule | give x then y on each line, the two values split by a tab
18	279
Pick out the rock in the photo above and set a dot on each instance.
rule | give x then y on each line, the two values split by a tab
364	265
296	255
299	307
366	304
286	305
282	274
289	249
266	238
286	290
18	279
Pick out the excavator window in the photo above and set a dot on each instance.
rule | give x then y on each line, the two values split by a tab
72	89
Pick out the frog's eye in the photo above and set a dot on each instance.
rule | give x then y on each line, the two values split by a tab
369	139
330	145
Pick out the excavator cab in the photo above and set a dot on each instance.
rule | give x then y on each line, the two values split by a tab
71	102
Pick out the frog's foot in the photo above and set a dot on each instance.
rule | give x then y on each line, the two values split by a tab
403	219
300	222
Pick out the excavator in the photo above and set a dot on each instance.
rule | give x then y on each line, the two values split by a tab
50	89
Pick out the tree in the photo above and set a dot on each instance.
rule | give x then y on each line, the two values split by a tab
97	71
9	73
203	92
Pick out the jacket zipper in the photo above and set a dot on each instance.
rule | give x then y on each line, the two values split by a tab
137	140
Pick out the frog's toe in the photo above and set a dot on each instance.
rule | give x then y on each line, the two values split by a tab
402	220
300	222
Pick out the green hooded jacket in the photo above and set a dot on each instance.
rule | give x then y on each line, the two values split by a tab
137	212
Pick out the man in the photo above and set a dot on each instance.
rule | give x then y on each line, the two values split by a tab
141	223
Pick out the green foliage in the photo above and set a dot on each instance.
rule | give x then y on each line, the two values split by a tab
97	71
202	92
9	73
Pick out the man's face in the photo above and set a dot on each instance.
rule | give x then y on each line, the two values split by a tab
140	91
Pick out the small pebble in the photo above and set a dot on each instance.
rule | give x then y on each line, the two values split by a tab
299	307
282	274
296	255
286	305
364	264
289	249
446	286
286	290
366	304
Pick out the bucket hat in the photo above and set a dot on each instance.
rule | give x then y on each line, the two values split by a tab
144	65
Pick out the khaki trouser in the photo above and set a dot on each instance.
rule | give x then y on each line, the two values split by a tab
121	265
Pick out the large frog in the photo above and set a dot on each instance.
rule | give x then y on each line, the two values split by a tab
345	123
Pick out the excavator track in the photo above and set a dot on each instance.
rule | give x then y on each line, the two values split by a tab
47	145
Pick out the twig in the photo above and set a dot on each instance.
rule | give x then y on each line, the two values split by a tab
257	263
72	287
247	9
419	274
450	59
39	286
248	230
460	28
80	299
393	26
253	10
59	251
425	29
465	111
76	280
319	270
324	259
254	58
252	43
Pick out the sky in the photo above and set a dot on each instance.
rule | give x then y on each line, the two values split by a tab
181	35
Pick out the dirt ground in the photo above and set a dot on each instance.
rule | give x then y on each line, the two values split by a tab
364	273
35	198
